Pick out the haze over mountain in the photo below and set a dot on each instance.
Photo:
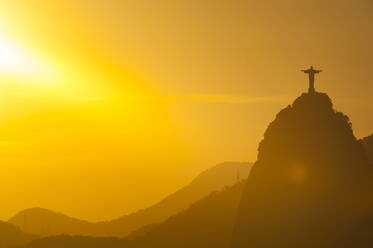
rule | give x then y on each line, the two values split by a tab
311	185
11	235
47	223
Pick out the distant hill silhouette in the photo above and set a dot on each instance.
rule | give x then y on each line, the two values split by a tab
311	185
47	223
207	223
11	235
368	146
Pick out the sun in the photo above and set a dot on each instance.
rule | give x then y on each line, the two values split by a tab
12	59
17	62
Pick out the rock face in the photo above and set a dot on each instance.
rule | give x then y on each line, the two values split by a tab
368	146
311	185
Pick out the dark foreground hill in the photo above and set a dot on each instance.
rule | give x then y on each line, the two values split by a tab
11	235
48	223
311	185
207	223
66	241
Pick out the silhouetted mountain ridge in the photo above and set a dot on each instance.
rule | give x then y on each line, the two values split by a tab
206	223
48	223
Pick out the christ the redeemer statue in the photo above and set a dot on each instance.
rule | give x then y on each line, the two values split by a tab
311	73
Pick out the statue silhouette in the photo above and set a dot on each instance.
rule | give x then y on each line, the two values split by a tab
311	73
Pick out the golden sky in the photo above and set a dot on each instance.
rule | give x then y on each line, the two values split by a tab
107	106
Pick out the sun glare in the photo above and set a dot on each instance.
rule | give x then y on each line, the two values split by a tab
18	63
12	58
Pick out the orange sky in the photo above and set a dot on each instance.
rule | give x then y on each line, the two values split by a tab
107	106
